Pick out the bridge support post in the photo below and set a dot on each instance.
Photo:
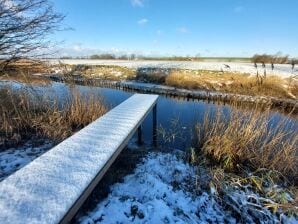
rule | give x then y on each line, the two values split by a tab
140	135
154	134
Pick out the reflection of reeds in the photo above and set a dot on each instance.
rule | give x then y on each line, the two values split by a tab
24	115
252	139
28	79
175	132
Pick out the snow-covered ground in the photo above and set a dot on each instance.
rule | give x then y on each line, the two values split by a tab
162	190
284	70
149	196
14	159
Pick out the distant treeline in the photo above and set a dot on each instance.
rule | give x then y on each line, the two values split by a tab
257	58
133	57
170	58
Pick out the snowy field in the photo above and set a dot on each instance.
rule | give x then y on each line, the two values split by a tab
283	70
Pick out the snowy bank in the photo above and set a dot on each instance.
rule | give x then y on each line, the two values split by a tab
150	195
164	189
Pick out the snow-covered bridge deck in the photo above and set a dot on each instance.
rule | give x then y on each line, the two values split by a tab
53	187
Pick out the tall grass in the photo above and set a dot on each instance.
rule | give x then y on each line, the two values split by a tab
231	82
252	140
25	66
25	115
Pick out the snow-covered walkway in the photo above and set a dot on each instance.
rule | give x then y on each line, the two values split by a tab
46	190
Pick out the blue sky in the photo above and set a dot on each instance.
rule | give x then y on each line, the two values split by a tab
179	27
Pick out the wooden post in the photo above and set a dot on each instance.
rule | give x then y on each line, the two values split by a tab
140	137
154	134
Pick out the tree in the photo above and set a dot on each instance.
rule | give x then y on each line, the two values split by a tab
24	28
264	59
293	63
103	56
132	56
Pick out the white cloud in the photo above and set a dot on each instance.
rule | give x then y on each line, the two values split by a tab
81	50
77	47
238	9
143	21
183	30
137	3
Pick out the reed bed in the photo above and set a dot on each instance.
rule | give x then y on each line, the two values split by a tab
250	139
232	82
24	66
251	161
25	114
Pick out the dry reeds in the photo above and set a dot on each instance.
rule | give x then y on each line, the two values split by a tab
24	66
250	139
24	115
230	82
105	72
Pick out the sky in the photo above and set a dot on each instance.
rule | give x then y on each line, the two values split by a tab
210	28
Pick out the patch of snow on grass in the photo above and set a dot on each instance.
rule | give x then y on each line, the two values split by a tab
157	193
14	159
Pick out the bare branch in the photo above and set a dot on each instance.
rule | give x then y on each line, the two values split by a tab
25	26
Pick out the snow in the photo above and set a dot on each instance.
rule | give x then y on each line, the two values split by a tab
14	159
45	189
149	196
165	189
283	70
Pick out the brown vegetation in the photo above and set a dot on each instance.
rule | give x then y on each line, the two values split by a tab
25	115
270	59
249	151
252	140
232	82
104	72
24	67
108	72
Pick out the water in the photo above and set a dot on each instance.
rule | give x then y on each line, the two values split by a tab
176	117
